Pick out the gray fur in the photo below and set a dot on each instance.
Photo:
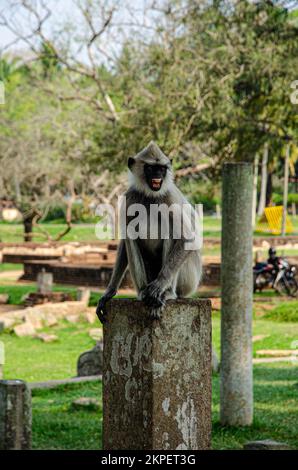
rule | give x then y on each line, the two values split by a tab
160	269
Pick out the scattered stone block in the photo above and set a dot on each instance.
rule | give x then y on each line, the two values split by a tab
6	323
25	329
50	320
47	338
84	403
72	318
90	317
266	444
270	360
277	352
51	384
35	321
91	362
4	298
216	303
267	307
96	334
83	295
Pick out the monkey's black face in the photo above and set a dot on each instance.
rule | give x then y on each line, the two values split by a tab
155	174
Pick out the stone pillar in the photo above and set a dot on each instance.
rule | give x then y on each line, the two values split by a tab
44	282
15	415
83	295
236	394
157	376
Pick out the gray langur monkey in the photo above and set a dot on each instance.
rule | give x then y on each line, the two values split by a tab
160	269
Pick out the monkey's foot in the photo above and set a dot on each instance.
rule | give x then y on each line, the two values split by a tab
101	310
153	296
156	313
101	313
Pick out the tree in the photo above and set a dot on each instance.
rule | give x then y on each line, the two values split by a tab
209	81
264	175
34	175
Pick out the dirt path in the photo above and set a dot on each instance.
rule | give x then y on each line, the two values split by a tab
10	275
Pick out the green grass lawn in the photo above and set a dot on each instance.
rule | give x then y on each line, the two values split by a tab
279	335
10	267
57	426
275	409
80	232
31	360
280	325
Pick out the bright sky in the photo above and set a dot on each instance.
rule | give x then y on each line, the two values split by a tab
62	12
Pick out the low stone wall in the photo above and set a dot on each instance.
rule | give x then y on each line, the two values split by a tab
64	273
18	252
88	257
111	244
19	258
97	276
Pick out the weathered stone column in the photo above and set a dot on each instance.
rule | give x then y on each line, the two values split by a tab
15	415
236	395
157	376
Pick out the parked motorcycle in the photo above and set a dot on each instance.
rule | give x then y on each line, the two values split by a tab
282	278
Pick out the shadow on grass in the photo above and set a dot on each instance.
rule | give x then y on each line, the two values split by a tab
275	410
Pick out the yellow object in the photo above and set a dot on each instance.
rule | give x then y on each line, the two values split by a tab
271	221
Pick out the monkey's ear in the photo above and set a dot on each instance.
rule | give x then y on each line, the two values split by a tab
131	162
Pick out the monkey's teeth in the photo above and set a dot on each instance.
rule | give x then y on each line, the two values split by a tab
156	183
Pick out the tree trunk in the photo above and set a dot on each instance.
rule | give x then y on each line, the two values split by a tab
28	227
269	188
262	200
236	394
255	190
286	189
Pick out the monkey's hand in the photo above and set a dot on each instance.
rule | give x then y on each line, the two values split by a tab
101	310
154	297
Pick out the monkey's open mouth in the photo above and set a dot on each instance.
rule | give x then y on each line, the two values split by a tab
156	183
